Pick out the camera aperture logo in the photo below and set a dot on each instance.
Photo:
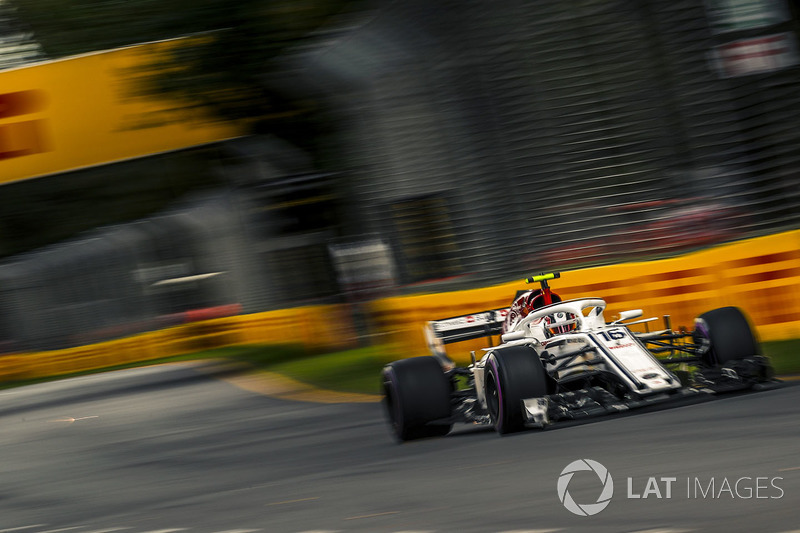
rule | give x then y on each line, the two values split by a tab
586	509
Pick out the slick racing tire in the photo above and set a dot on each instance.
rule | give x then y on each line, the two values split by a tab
416	392
729	333
513	374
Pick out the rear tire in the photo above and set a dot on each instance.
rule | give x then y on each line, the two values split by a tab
729	333
416	392
511	375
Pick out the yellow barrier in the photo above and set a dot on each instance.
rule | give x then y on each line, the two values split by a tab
314	327
762	276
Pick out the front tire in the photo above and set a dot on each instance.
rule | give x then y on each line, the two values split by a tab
729	333
513	374
416	392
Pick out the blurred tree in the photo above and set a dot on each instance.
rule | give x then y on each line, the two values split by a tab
227	69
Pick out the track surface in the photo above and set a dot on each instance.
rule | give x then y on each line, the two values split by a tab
172	449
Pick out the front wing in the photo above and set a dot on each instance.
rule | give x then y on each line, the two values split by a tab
752	373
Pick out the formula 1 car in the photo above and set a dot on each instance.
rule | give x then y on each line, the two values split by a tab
562	360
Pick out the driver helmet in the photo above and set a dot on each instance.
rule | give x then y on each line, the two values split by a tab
559	323
525	302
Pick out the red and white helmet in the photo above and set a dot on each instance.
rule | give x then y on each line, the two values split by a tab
524	303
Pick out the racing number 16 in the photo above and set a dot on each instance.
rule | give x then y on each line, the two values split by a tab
612	334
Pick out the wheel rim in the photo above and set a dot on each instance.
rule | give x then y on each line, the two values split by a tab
492	397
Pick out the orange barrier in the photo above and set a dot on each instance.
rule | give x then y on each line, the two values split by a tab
762	276
315	327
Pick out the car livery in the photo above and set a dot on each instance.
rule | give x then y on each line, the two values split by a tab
562	360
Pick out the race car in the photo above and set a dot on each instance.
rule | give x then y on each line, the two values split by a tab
561	360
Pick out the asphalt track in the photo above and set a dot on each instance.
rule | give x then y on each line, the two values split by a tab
170	449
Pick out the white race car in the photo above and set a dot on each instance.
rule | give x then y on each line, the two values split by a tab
562	360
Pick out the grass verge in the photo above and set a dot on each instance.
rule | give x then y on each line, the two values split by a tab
356	370
785	356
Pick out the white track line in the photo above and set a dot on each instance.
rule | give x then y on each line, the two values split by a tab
531	531
660	530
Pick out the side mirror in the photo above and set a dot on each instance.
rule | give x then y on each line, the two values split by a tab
627	315
513	336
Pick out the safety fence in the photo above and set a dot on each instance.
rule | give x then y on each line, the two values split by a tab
762	276
493	138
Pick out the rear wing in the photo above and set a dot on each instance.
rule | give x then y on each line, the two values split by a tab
463	328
